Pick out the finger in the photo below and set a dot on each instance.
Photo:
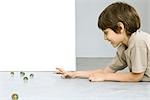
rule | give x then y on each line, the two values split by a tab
58	72
66	75
60	69
62	76
90	79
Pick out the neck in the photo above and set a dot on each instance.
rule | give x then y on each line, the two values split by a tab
126	40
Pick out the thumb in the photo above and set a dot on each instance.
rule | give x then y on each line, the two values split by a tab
90	78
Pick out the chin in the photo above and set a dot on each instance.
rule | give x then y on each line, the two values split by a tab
115	45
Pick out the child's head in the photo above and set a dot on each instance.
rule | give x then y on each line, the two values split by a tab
119	12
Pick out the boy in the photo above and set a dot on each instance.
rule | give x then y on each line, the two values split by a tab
120	24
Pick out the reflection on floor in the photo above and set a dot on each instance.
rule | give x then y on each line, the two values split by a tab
49	86
114	90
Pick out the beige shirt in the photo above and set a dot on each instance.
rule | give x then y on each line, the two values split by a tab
136	56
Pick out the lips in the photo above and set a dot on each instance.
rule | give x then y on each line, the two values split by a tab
111	42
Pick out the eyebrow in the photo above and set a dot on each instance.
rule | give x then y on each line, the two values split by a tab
105	32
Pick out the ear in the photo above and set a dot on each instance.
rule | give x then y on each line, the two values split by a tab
121	26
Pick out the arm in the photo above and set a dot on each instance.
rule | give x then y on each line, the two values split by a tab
73	74
120	76
86	74
81	74
124	77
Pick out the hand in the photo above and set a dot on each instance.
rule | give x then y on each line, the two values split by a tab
65	74
97	77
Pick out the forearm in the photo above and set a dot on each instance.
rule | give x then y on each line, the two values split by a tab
86	74
123	77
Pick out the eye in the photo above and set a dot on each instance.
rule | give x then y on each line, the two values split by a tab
105	33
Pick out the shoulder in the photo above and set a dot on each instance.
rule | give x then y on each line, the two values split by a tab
139	38
141	35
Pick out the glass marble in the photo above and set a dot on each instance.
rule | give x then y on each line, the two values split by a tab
14	96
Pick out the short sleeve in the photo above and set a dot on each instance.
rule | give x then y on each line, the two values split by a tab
119	61
139	59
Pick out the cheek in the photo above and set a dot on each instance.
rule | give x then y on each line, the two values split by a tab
108	37
120	38
116	36
111	38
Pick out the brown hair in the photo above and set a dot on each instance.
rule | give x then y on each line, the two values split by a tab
119	12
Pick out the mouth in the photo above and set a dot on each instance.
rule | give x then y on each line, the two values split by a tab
111	42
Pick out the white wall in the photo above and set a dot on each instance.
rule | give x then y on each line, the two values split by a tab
37	35
89	38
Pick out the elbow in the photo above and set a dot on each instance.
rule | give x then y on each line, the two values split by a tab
136	77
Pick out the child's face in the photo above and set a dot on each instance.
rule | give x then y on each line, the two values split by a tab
114	38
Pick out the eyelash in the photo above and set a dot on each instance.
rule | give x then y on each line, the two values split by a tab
105	33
